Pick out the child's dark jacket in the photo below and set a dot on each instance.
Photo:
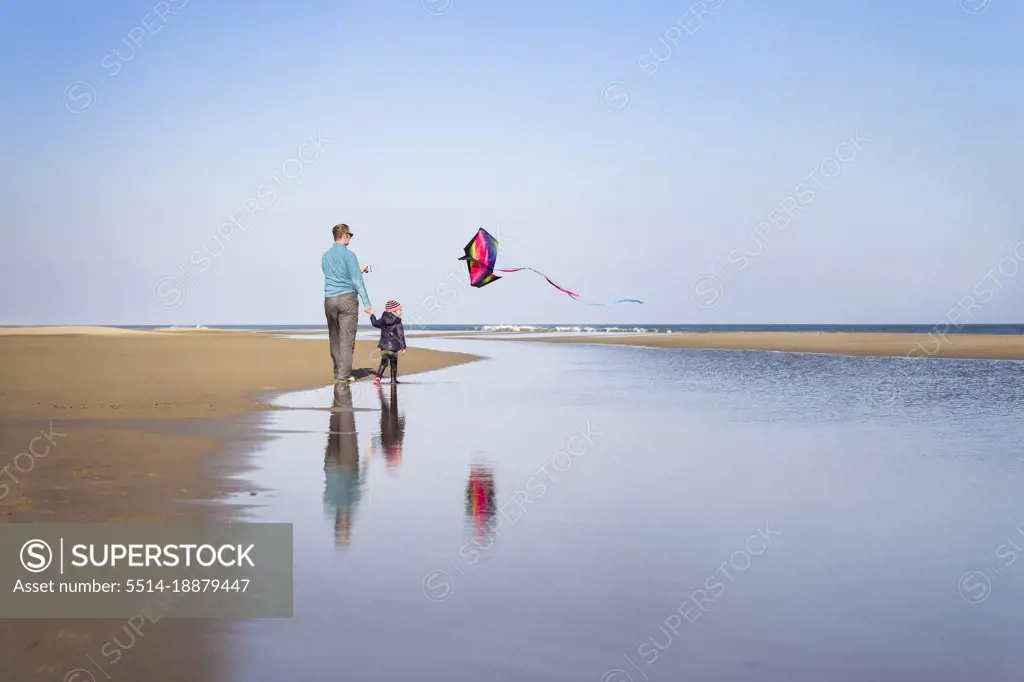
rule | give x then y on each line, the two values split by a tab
392	333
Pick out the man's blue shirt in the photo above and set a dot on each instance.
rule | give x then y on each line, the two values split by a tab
341	273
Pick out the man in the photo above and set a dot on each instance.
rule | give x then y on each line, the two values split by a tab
343	281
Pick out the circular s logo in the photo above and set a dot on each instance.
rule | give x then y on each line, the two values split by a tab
79	97
616	96
169	292
36	556
438	7
706	291
438	585
975	587
885	391
975	6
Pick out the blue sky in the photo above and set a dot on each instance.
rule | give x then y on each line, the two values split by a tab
136	129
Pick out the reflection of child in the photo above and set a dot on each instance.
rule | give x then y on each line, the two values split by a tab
480	497
392	429
392	339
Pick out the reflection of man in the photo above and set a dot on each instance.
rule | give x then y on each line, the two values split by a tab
343	282
343	480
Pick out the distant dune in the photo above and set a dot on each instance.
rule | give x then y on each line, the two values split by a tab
964	346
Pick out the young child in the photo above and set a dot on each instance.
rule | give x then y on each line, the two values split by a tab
392	339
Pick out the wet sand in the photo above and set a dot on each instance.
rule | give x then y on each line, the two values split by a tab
90	393
966	346
95	475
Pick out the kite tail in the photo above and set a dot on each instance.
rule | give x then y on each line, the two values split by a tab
617	301
571	294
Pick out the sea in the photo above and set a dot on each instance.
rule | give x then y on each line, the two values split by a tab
597	513
1005	328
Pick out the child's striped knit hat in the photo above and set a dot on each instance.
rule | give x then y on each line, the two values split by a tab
393	307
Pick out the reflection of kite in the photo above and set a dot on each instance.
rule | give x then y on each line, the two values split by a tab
481	255
480	498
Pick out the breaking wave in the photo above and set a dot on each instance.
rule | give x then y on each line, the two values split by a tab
572	329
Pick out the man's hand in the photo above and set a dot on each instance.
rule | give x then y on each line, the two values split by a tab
368	310
365	269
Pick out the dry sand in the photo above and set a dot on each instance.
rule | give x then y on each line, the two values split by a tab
58	381
153	374
973	346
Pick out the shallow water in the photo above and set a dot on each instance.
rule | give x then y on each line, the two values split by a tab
660	513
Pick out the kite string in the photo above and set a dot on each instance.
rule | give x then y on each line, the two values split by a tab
572	294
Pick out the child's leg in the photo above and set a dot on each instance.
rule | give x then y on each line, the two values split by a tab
394	368
383	364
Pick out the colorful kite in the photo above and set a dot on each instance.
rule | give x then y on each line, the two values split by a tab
481	253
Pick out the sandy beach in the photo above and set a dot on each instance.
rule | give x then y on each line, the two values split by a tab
967	346
82	372
81	389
